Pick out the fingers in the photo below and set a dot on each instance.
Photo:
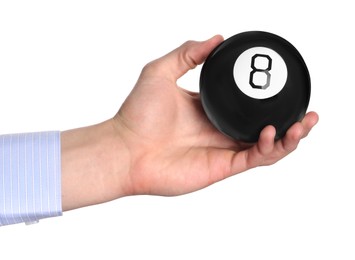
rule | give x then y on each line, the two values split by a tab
265	144
290	141
266	151
186	57
298	131
308	122
259	153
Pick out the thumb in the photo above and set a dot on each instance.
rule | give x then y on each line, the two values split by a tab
184	58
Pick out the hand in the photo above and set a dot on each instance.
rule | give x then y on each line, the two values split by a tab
173	147
160	142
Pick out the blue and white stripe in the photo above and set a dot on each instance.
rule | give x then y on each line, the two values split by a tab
30	177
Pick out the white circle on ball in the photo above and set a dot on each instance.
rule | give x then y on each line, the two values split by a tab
260	72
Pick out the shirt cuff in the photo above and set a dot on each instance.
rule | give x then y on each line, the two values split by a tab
30	177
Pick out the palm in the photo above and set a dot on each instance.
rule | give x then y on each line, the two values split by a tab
181	148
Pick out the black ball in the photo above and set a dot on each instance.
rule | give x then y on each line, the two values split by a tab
252	80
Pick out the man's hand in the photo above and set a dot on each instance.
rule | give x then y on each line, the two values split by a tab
173	147
160	142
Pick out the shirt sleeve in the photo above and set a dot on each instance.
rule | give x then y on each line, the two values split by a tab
30	177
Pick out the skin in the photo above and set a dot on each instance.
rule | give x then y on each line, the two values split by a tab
160	142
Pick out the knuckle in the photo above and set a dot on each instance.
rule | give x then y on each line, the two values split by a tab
151	68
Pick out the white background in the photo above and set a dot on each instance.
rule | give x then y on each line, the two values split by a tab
65	64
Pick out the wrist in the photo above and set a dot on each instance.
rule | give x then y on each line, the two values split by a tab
95	165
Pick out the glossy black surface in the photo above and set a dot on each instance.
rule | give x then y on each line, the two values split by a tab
240	116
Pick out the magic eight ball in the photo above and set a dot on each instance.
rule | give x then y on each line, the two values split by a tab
252	80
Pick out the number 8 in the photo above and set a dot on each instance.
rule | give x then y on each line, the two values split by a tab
256	71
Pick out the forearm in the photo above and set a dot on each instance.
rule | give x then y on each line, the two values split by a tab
95	165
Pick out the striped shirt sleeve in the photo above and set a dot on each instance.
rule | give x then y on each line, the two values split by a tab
30	177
